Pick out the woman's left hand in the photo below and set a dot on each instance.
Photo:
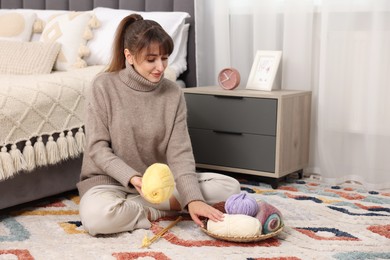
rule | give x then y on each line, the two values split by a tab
201	209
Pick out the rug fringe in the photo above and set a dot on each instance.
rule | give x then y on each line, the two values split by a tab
40	154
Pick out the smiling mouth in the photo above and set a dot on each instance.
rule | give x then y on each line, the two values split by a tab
156	75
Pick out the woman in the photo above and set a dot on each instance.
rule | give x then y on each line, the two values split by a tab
135	117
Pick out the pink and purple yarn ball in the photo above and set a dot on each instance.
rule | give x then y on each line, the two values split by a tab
269	216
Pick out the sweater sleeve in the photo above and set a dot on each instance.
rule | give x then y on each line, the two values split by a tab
180	158
99	140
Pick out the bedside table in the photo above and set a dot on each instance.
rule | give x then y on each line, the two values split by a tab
262	133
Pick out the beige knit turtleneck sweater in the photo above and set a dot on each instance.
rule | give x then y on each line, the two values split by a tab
132	123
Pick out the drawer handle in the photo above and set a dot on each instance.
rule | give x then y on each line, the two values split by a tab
228	97
226	132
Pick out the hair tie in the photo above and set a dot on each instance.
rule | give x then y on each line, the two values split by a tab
137	17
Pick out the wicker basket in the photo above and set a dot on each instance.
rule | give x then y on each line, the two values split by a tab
244	239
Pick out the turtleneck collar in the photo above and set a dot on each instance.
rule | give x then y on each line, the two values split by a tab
133	80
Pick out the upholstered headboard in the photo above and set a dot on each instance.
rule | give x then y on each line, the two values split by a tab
138	5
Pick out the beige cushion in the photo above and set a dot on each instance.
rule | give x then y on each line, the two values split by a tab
43	17
27	57
16	26
72	30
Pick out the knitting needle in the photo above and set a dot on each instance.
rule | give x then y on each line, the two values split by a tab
146	242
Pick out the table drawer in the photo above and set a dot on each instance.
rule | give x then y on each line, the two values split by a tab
246	151
231	113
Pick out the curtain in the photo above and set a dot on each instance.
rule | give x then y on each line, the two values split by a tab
338	49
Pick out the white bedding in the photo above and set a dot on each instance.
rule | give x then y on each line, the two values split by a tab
34	106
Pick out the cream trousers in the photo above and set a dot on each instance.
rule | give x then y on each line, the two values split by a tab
107	209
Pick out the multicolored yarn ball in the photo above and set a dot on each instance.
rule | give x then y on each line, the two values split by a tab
241	203
269	216
158	183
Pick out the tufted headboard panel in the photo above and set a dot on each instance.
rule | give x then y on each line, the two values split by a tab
138	5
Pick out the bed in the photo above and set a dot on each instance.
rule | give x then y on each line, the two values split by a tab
41	112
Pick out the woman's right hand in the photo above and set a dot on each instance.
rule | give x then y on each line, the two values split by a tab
201	209
136	181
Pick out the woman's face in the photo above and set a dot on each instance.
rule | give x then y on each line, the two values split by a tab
150	63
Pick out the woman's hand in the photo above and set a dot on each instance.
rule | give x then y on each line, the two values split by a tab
136	181
200	209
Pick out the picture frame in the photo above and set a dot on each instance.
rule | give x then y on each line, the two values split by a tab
264	73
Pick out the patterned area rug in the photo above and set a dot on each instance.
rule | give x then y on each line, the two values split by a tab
321	222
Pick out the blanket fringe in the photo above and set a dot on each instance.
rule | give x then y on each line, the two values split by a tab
41	154
72	145
62	147
53	156
8	165
80	140
29	156
20	163
2	175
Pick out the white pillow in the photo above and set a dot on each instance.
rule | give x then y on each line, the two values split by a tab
72	30
101	45
16	26
178	58
170	74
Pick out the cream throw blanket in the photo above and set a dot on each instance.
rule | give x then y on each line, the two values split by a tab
33	107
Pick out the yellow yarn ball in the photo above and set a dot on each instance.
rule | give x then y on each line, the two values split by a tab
158	183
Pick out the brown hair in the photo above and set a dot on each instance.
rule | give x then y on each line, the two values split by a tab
135	34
